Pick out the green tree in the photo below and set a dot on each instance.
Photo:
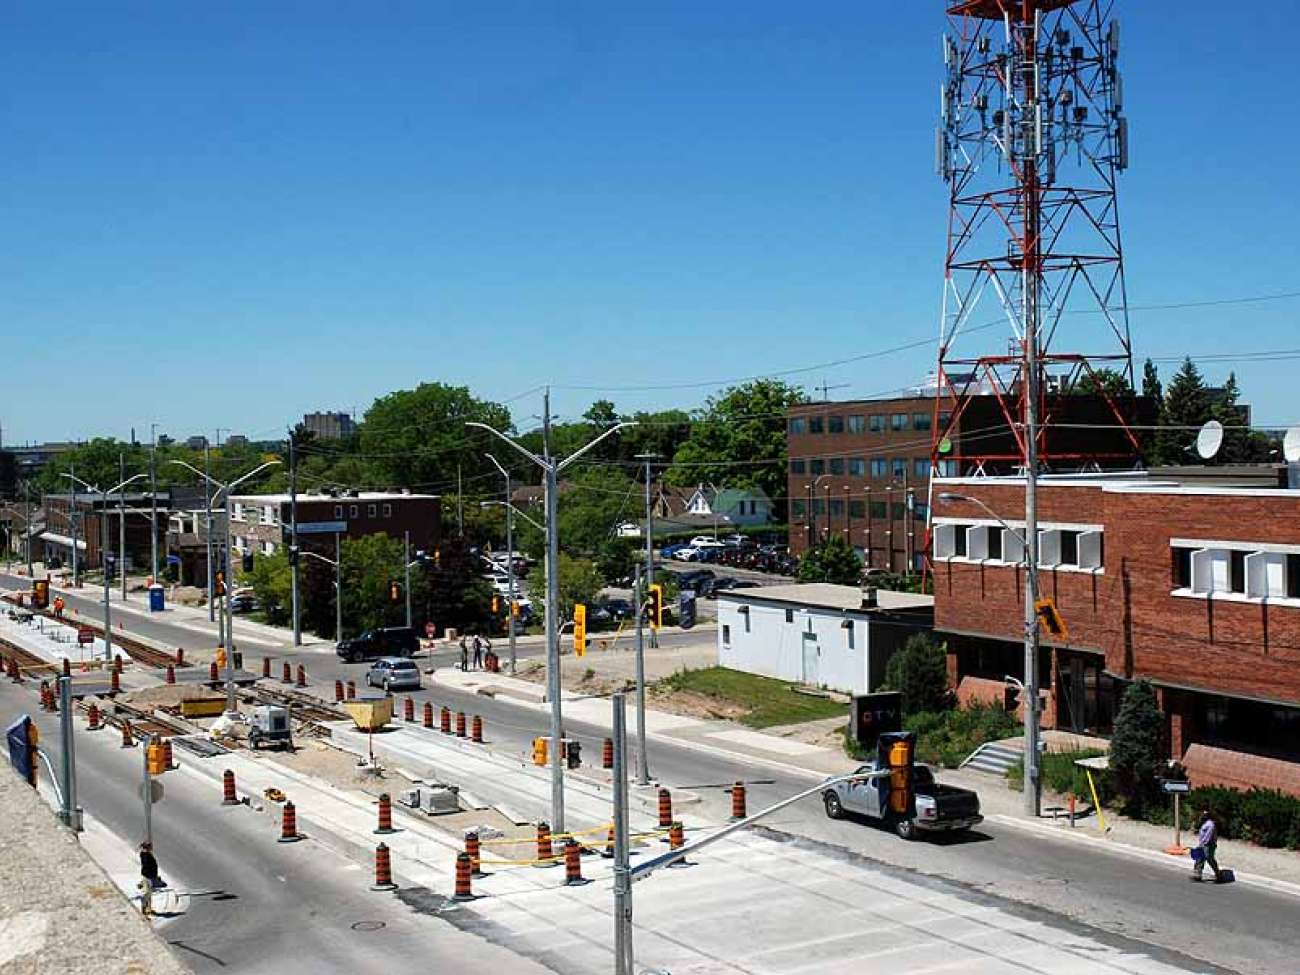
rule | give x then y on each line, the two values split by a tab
616	558
370	564
739	439
1151	382
451	591
832	561
271	581
1136	748
1108	382
919	671
1186	406
578	580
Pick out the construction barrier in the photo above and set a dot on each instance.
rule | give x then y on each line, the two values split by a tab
128	741
464	871
476	730
169	760
545	856
385	814
228	795
286	673
573	864
444	720
408	711
383	869
289	824
738	802
302	676
665	809
460	724
428	715
607	754
266	666
338	691
212	673
472	851
92	716
171	674
352	690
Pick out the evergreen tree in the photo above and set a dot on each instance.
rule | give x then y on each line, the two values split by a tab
919	672
1151	382
832	561
1136	753
1186	406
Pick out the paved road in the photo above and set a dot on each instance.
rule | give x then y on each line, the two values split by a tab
1243	928
255	905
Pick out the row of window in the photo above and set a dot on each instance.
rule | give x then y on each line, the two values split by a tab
372	510
862	423
1057	547
1244	571
880	467
254	514
859	509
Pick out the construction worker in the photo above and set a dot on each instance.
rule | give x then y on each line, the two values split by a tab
58	607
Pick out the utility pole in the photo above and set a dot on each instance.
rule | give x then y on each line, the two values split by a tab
27	497
639	596
69	814
460	504
146	790
510	559
121	523
293	541
338	589
72	522
406	561
623	964
207	533
153	501
551	468
649	580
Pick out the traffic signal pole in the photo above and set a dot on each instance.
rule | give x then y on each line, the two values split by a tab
639	604
69	813
406	560
293	541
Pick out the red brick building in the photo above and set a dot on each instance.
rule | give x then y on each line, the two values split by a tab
1193	586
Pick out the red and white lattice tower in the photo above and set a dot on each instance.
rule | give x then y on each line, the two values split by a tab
1031	140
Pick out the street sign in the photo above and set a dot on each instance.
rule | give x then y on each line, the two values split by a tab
1174	786
322	528
85	635
429	630
155	790
875	714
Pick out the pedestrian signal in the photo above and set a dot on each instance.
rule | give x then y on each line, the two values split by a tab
394	591
656	605
40	593
220	587
496	605
156	759
539	751
579	630
1051	619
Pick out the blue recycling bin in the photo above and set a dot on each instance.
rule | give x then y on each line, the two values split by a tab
156	599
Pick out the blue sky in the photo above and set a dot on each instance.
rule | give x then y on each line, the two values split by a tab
227	214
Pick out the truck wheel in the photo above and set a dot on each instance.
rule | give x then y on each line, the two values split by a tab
905	828
354	657
833	808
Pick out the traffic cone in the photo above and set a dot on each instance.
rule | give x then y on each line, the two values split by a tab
545	856
92	715
428	714
608	851
266	666
464	871
289	824
676	840
383	869
286	673
127	740
476	730
180	656
573	864
338	691
352	690
460	724
212	673
472	851
408	712
444	720
665	809
171	674
302	676
228	795
169	760
385	814
738	801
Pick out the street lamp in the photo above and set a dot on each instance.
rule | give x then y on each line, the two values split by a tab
103	551
1029	687
551	468
232	710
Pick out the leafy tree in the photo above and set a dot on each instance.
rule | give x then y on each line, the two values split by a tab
616	558
739	439
370	564
1241	445
660	433
452	592
1107	382
597	500
272	583
579	582
1136	752
832	561
919	671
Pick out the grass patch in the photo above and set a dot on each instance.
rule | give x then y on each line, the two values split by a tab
946	738
768	702
1061	776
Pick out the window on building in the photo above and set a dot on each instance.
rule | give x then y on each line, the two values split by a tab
877	423
354	511
798	508
898	467
1293	576
816	424
388	510
948	468
819	506
898	421
1237	571
921	511
726	642
858	466
1181	568
835	424
944	419
879	467
338	511
878	509
789	617
921	467
920	421
857	509
798	424
899	509
817	466
857	424
1069	548
837	507
798	466
372	510
837	466
959	539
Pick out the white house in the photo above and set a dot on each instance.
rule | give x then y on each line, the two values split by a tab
836	637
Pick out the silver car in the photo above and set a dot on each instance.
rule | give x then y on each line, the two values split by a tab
394	673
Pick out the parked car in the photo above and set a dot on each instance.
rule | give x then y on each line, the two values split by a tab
938	808
628	529
686	553
616	609
704	541
394	673
388	641
244	602
670	551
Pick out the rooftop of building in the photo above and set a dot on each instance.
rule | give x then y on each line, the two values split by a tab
304	497
1235	479
825	595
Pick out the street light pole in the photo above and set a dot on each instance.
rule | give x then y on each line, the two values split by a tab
72	523
207	532
153	501
293	541
338	589
510	560
551	468
406	560
649	572
638	604
121	524
1029	686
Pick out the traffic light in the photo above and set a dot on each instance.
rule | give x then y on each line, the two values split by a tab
394	590
247	562
155	759
437	558
293	554
496	605
1051	619
219	588
579	630
656	605
40	593
539	751
896	751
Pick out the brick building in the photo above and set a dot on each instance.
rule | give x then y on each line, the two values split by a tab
260	522
1191	584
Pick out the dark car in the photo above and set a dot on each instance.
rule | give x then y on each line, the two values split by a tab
618	609
243	603
693	579
388	641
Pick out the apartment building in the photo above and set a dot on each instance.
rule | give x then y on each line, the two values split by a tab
260	522
1191	583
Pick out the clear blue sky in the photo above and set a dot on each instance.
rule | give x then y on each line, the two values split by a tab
226	214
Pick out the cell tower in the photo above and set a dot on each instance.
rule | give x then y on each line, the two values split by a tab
1031	141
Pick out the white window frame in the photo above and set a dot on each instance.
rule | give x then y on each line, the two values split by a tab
1091	550
945	541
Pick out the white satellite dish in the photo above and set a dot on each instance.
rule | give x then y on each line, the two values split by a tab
1210	439
1291	445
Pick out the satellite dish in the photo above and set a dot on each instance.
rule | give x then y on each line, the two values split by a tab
1210	439
1291	445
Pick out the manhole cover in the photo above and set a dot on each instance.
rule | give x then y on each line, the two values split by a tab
367	925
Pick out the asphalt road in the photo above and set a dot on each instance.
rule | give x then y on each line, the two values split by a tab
1240	927
255	905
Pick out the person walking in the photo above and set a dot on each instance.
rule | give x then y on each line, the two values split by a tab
464	654
1208	842
478	652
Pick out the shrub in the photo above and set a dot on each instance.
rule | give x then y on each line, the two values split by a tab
946	738
1267	817
1060	775
1135	749
919	672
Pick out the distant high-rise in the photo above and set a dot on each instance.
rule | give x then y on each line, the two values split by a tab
329	426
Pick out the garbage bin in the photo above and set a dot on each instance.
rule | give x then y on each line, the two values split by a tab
156	598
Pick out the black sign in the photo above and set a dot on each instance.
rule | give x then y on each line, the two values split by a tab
686	608
874	714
